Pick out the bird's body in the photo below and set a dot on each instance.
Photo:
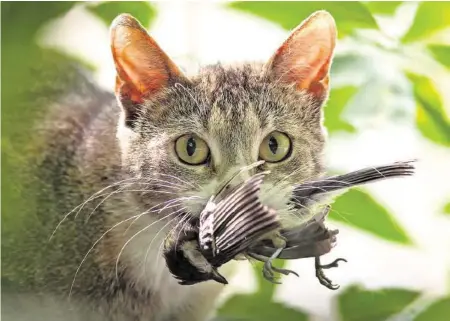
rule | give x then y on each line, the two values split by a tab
259	234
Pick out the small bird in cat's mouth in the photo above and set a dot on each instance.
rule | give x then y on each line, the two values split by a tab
239	224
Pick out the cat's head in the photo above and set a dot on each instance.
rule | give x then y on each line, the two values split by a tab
185	136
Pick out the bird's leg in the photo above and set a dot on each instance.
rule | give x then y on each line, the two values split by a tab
279	243
268	273
321	275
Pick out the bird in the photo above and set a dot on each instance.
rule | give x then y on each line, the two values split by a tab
236	224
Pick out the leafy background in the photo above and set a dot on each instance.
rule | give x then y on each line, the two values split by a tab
362	94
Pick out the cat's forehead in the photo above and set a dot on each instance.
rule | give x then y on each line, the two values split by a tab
230	85
233	99
236	91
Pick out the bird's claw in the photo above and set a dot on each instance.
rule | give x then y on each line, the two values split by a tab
268	272
269	269
285	271
332	264
323	279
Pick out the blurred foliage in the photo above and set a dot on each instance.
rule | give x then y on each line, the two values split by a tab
107	11
333	111
441	53
348	17
356	304
438	311
430	17
431	118
383	7
21	57
261	303
28	69
360	210
447	208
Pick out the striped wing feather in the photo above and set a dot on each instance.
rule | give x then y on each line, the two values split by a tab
240	220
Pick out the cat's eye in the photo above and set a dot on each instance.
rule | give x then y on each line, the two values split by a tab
191	149
275	147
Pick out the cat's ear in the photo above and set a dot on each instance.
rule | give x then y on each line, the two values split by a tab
143	69
304	59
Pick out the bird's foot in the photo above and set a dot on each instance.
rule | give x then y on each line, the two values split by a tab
323	279
268	269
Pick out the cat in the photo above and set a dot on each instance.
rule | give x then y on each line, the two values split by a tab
115	173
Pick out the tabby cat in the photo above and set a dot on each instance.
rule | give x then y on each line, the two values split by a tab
115	173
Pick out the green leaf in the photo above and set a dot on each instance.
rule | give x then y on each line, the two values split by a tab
360	210
335	106
441	53
141	10
260	303
383	7
357	304
348	16
22	20
252	308
431	119
430	17
446	209
438	311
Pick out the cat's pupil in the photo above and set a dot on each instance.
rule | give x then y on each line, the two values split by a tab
273	145
191	146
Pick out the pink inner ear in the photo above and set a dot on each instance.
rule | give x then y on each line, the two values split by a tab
142	67
305	57
140	70
145	74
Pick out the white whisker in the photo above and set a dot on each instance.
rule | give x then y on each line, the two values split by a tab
84	203
150	210
136	234
162	242
93	246
181	180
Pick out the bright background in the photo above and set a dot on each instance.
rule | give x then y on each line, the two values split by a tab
390	101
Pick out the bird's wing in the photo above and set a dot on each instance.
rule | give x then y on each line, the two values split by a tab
236	201
240	220
308	190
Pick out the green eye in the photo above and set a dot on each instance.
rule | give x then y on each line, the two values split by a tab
191	149
275	147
